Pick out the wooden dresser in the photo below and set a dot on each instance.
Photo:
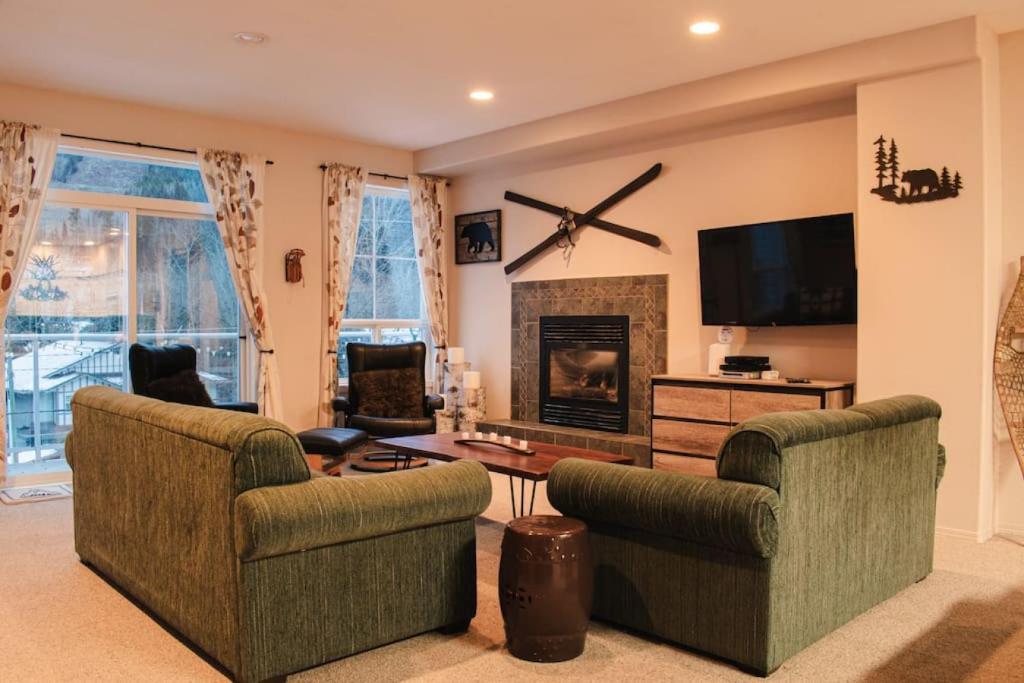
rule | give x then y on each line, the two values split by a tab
692	414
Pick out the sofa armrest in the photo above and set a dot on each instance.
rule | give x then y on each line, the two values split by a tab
432	403
725	514
276	520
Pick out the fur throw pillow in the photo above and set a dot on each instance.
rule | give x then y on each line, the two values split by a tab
183	387
389	393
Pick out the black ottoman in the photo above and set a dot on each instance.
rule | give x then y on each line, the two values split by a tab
331	443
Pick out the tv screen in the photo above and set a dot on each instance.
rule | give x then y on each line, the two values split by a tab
795	272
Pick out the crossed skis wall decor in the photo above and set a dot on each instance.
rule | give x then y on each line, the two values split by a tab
571	221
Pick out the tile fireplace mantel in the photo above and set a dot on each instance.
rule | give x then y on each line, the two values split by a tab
644	298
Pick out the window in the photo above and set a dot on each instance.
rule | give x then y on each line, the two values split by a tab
126	250
126	176
385	300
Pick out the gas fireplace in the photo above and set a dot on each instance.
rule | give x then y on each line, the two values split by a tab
584	371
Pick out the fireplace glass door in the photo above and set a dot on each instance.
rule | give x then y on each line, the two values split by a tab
584	372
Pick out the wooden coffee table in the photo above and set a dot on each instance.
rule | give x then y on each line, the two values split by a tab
498	459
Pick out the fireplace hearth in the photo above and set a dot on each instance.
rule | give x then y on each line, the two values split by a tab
584	372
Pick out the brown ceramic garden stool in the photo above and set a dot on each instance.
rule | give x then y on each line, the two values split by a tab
546	582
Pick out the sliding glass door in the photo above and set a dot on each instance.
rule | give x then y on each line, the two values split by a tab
186	296
122	254
65	329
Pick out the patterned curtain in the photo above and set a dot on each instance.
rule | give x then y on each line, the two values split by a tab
342	206
234	185
428	196
27	154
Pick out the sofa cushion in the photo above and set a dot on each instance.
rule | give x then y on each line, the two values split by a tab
183	387
395	392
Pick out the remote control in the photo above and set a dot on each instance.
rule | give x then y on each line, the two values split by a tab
798	380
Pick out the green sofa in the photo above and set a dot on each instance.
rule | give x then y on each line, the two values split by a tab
814	518
211	519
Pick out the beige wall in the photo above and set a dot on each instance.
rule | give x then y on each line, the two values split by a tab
292	202
754	92
795	168
1009	483
923	326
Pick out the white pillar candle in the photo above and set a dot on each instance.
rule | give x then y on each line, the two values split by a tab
456	355
523	444
478	435
493	436
465	435
507	440
471	379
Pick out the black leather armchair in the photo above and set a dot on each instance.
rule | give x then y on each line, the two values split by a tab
365	357
147	363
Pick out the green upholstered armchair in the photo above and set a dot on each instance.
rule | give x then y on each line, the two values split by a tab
210	518
815	517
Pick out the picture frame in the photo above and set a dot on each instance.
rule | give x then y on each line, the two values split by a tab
478	237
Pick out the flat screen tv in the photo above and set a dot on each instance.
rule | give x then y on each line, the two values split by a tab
794	272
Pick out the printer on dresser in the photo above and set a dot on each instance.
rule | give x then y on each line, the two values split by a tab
692	414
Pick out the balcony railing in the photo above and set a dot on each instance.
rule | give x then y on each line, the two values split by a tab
44	371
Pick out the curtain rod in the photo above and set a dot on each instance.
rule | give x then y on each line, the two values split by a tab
323	167
136	144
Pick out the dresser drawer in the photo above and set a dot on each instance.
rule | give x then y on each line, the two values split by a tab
748	404
687	437
692	402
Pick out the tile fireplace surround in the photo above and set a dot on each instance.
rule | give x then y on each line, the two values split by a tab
644	298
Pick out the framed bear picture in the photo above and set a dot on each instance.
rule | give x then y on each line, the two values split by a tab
478	237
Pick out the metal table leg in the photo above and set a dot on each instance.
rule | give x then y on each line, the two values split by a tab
522	496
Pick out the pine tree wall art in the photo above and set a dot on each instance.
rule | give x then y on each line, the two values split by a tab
910	186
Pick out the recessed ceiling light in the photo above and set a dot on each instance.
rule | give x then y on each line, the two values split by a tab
115	231
704	28
481	95
46	244
251	37
88	243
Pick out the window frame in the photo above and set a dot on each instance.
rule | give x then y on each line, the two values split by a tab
133	206
378	325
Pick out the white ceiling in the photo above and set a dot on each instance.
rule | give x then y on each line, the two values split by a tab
397	71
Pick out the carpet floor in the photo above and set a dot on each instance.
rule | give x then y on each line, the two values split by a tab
60	621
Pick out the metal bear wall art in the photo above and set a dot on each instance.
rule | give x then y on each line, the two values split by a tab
914	185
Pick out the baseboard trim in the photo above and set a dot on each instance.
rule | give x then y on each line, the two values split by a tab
957	533
1011	529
